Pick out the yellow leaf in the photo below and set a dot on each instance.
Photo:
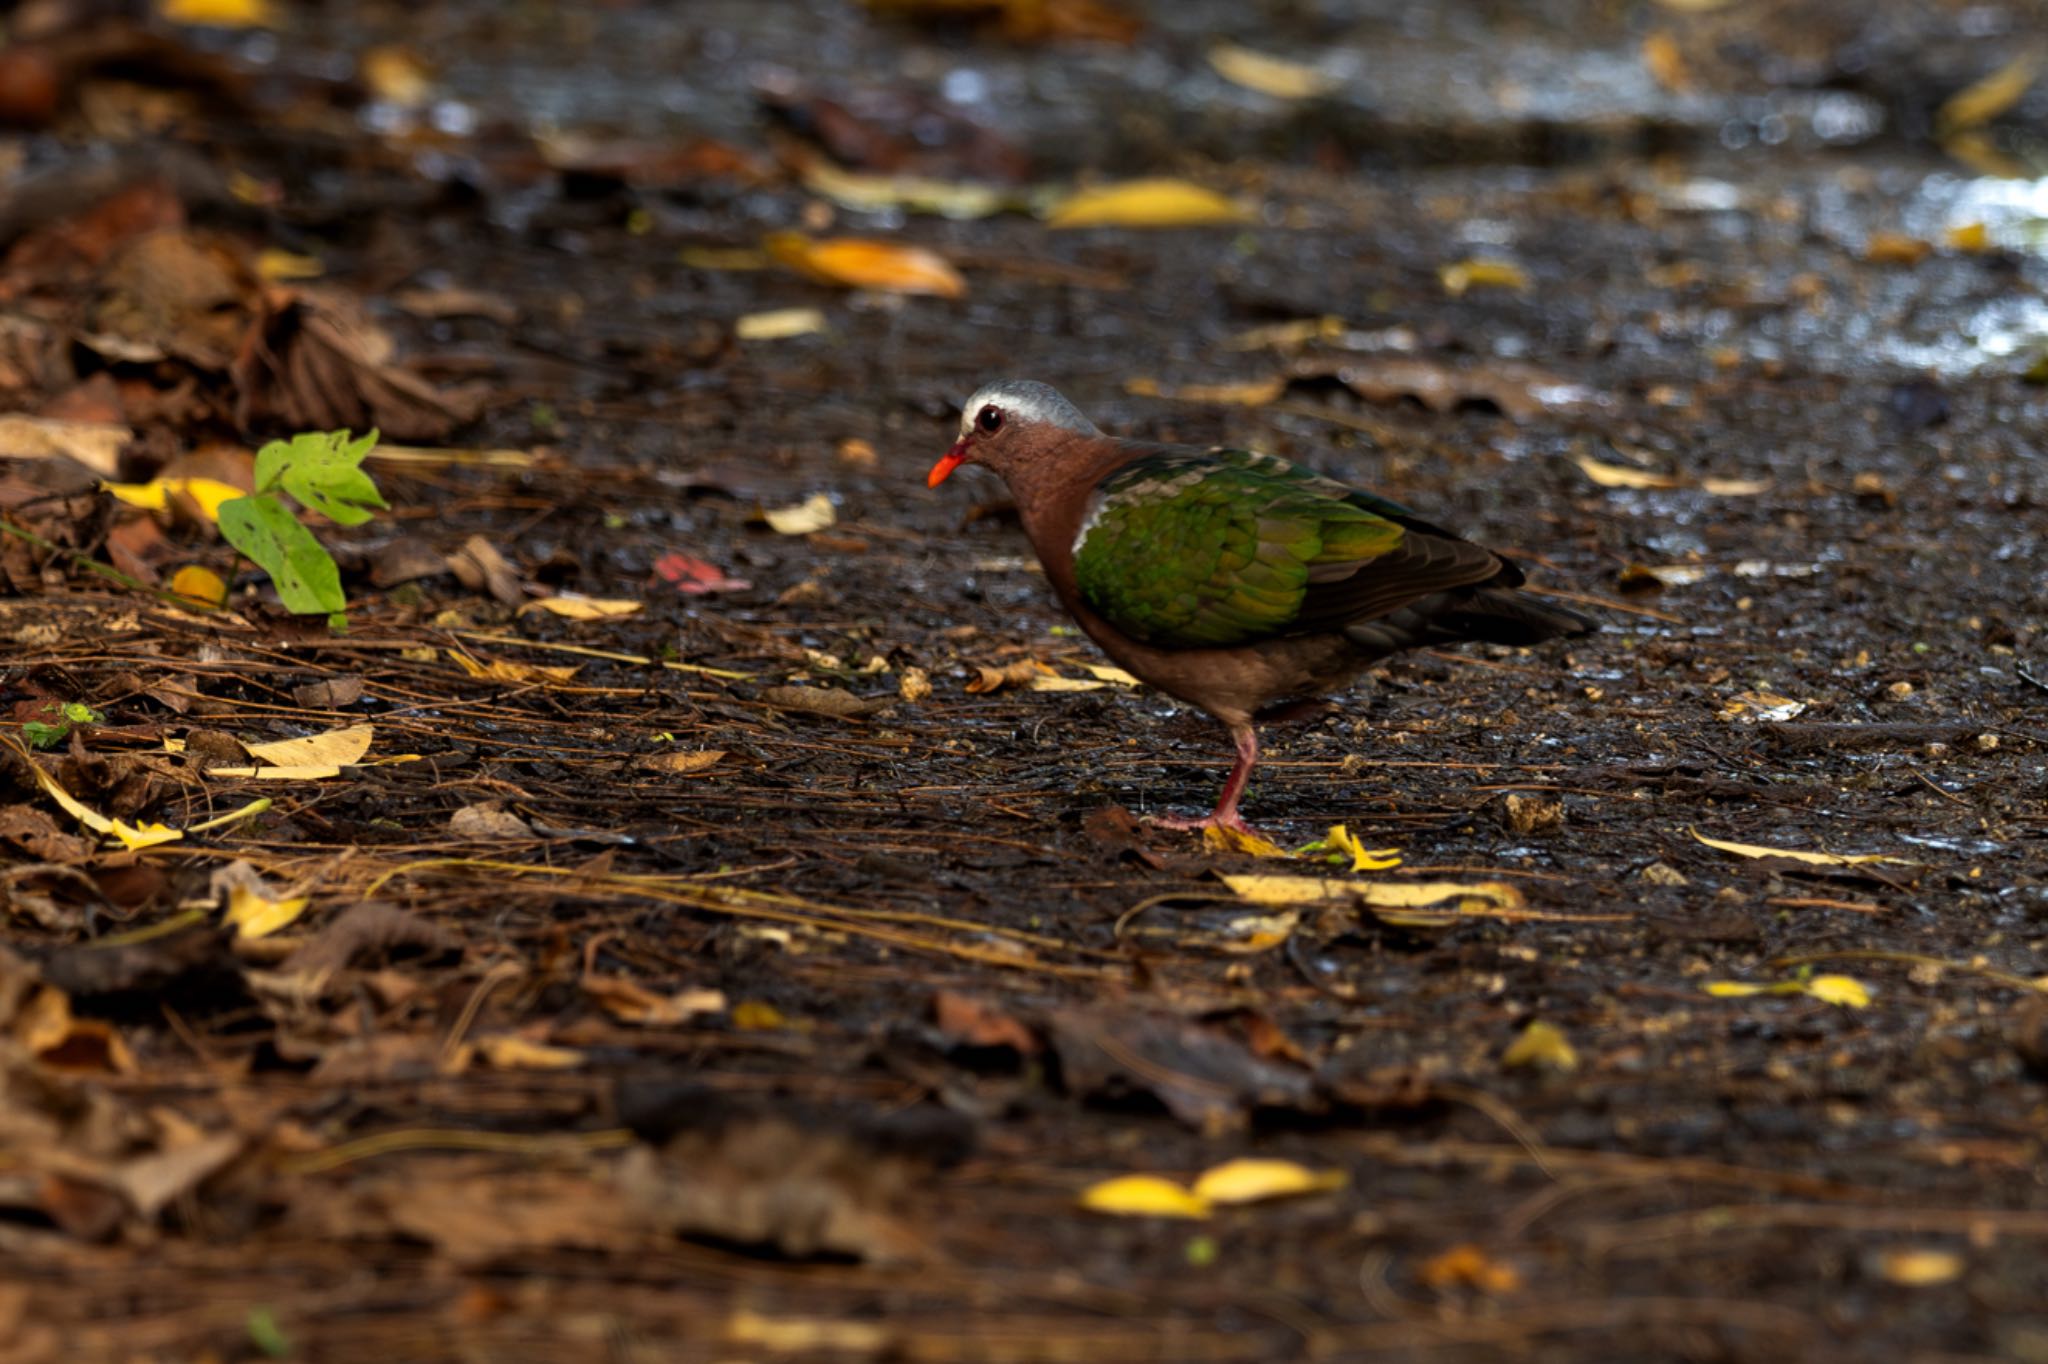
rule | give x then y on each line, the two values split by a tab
1339	839
1250	1180
583	608
199	583
1740	989
1270	75
1465	275
508	1051
753	1015
1666	61
683	762
1846	991
1735	487
1294	890
869	193
779	324
219	13
254	916
1468	1266
813	513
1919	1266
396	76
1894	248
1816	859
1054	682
1218	839
862	263
288	772
630	1002
277	266
1143	1196
1146	203
335	748
1988	98
207	494
1973	238
504	670
96	445
1105	672
1250	393
1621	475
1542	1046
131	837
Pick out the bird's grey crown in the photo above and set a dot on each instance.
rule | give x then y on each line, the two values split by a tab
1029	401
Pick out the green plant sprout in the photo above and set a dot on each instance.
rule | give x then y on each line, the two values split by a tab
69	714
323	471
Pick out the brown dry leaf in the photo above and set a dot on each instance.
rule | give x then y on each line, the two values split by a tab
479	566
682	762
80	1046
486	821
1895	248
1519	390
335	748
476	1219
457	302
1467	1266
824	701
306	366
970	1022
366	932
1017	674
584	608
1204	1077
509	1051
1146	203
96	445
331	693
150	1183
861	263
1272	76
504	670
1666	62
630	1002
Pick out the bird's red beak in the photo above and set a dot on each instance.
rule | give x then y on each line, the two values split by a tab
948	462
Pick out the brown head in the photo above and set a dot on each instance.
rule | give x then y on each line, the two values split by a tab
1010	425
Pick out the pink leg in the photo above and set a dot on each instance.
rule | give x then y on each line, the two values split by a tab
1225	815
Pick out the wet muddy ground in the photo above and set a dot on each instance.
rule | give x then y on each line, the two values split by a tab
589	1044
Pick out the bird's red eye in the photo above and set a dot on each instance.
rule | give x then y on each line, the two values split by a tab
990	419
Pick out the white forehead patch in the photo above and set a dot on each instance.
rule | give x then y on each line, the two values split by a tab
1024	400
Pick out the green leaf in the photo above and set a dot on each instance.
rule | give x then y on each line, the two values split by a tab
323	470
304	573
41	735
78	713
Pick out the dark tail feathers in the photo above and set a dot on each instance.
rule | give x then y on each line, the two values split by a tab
1505	616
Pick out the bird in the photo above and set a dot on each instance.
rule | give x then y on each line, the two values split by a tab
1229	579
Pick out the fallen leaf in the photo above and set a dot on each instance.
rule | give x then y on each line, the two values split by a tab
1919	1266
1248	393
583	608
1734	487
219	13
508	1051
1264	889
1622	476
129	836
1218	838
200	584
779	324
1519	390
1339	840
1146	203
631	1002
1022	672
1895	248
813	513
206	493
487	820
1143	1196
330	693
1752	707
506	670
79	1046
1542	1046
256	915
1463	276
1984	100
694	576
1272	76
335	748
970	1022
480	567
1202	1075
823	701
1467	1266
96	445
1972	238
914	193
396	76
914	684
808	1336
1666	61
680	762
284	266
1817	859
1845	991
862	263
1252	1180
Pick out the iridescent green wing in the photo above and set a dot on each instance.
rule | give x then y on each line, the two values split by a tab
1192	550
